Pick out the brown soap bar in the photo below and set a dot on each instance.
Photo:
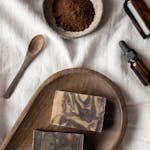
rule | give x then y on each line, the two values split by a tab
79	111
57	141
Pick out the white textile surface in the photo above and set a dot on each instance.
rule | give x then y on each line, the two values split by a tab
20	20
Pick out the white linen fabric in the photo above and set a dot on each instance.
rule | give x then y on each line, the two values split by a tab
20	20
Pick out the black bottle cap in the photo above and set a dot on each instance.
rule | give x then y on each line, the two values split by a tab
129	53
125	48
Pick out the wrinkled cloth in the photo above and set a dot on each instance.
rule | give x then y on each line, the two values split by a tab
21	20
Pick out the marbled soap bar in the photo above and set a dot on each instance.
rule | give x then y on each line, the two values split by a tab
79	111
57	141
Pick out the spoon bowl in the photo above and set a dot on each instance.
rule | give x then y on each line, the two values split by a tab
36	45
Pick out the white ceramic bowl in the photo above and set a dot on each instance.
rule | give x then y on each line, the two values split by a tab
98	7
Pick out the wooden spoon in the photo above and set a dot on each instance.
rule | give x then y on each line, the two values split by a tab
35	47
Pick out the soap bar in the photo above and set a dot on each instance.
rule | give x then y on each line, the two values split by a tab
78	111
57	141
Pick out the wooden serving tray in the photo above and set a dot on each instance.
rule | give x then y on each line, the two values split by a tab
37	113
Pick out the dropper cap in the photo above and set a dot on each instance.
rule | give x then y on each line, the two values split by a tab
129	53
125	48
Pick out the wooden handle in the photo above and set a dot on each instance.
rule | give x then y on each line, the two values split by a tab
34	49
14	83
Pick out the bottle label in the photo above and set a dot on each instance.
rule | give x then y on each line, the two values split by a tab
138	17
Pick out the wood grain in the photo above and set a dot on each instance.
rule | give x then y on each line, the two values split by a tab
37	113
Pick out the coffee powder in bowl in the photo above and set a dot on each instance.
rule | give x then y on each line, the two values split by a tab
73	15
73	18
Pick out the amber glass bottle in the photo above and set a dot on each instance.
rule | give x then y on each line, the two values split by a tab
136	63
139	12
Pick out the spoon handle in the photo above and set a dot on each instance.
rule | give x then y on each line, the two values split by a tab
14	83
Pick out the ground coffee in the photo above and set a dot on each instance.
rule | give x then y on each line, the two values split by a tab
73	15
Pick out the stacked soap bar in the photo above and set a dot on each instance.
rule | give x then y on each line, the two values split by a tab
57	141
78	111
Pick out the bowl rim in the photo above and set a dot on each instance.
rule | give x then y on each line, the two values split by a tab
47	10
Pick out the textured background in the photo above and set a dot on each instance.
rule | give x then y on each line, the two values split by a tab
20	20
